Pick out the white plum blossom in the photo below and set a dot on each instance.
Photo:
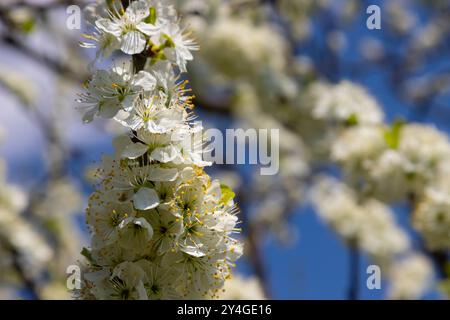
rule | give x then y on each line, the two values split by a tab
145	27
354	147
239	49
110	91
179	46
131	27
343	102
432	219
105	42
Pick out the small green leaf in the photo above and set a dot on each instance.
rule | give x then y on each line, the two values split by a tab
169	42
392	135
352	120
227	194
28	25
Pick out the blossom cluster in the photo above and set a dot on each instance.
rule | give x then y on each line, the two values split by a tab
402	162
339	125
248	54
342	103
410	277
368	224
161	227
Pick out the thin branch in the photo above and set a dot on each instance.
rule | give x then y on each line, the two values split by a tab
440	259
354	257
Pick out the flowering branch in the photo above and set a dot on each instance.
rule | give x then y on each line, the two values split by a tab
161	228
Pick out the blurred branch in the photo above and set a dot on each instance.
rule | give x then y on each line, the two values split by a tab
56	66
257	258
28	281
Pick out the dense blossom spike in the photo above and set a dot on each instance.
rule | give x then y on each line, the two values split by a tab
161	227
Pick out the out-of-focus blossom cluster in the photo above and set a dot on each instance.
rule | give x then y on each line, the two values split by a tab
370	225
367	224
329	124
404	162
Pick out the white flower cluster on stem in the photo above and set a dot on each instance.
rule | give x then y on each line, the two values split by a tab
161	228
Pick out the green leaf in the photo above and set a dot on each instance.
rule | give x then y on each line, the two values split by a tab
169	42
28	25
392	135
227	194
352	120
151	17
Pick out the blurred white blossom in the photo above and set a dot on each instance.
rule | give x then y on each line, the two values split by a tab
410	277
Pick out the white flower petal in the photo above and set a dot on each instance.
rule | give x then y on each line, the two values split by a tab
137	11
148	29
135	233
133	42
193	251
128	102
162	174
109	26
144	81
89	115
135	150
198	161
145	199
108	108
165	154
